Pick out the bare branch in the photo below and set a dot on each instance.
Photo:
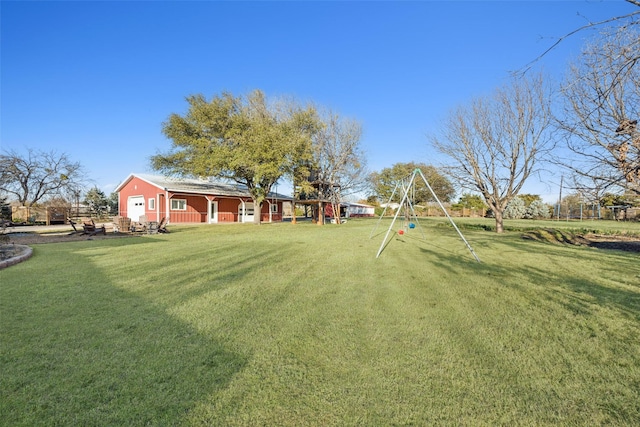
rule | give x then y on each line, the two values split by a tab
528	66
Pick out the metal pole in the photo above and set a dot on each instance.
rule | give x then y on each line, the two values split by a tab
560	199
392	222
433	193
384	211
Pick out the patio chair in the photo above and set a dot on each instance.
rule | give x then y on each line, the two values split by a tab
91	229
73	225
162	227
115	223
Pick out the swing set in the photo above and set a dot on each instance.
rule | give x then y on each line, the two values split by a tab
410	219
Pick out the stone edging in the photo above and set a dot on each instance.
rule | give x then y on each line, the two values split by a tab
14	260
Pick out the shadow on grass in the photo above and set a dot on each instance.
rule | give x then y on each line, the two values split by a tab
617	285
77	350
175	277
623	294
422	237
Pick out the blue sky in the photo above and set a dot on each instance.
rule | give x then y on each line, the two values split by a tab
96	80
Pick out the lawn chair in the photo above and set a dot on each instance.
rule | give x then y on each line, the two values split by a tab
115	224
162	227
91	229
73	224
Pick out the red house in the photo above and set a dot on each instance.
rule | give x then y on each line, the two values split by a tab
192	200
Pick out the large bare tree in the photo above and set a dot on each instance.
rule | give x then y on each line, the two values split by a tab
339	163
495	143
37	175
600	113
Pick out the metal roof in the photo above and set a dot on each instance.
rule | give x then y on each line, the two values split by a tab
198	186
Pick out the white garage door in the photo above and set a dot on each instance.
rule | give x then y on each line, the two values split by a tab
135	207
246	215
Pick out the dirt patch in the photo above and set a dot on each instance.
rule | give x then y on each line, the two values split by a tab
39	238
612	242
14	246
621	243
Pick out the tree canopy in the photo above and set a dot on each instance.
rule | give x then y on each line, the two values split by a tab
97	201
37	175
246	139
468	200
384	182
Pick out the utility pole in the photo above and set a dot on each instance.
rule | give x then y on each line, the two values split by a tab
559	199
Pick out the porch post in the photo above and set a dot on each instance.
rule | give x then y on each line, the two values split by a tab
167	205
320	213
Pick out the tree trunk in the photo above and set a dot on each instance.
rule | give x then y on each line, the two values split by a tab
293	212
257	210
320	213
499	220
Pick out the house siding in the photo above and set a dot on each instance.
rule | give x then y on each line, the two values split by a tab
228	210
196	209
275	216
196	206
135	188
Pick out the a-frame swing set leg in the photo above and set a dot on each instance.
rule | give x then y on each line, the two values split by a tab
405	198
393	193
384	210
386	236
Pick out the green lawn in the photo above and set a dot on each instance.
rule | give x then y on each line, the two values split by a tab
291	325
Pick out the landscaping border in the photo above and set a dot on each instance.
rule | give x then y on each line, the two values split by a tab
25	255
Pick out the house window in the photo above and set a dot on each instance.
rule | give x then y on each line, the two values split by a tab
248	209
178	204
274	208
152	204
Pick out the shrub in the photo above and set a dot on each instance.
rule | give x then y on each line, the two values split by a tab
515	209
537	209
